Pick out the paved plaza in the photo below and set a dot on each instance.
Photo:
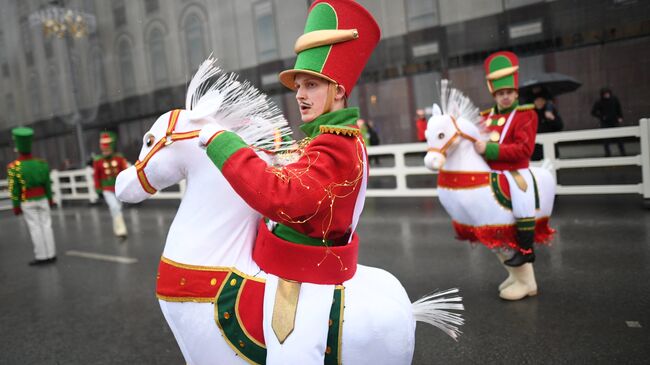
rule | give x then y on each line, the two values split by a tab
592	308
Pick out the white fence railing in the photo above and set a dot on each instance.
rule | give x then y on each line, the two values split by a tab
400	171
78	184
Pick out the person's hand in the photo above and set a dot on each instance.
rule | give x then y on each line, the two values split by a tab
549	115
479	146
208	133
18	211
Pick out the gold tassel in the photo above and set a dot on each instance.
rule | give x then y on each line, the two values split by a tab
521	182
284	308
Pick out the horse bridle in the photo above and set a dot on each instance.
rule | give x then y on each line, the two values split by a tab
169	138
459	133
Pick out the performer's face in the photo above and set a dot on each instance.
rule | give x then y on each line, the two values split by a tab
311	94
505	97
107	149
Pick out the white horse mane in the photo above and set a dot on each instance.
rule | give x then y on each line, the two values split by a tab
453	102
218	97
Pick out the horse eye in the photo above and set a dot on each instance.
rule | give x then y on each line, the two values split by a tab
149	139
441	135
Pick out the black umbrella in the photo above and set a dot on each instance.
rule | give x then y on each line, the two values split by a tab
548	85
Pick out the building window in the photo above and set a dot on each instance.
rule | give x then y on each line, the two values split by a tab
119	13
26	38
48	47
75	72
127	73
421	14
22	8
267	44
34	96
3	56
54	92
194	40
97	78
150	6
158	57
11	108
89	6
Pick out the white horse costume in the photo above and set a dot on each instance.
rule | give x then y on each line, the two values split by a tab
475	197
214	231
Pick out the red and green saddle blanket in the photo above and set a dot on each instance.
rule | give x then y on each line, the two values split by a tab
498	182
238	299
492	235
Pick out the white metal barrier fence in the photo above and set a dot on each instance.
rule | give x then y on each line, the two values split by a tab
78	184
400	170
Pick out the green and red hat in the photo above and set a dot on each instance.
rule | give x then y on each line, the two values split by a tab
22	137
337	42
502	71
107	139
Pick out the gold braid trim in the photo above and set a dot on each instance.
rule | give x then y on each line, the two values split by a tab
526	107
346	131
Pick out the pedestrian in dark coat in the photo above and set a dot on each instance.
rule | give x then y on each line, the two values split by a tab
609	112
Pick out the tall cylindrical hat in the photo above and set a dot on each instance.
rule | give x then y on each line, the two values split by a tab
502	71
22	137
337	42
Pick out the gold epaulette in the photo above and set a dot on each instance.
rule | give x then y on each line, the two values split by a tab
525	107
340	130
486	112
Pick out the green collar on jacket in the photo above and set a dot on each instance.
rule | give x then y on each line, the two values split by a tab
343	117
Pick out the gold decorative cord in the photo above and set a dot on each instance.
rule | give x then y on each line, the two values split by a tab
287	173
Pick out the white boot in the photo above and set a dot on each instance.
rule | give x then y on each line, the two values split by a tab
524	285
119	227
511	278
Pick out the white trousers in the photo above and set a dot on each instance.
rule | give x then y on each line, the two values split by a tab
307	343
114	205
39	222
523	202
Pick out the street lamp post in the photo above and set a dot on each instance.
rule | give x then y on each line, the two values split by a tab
67	24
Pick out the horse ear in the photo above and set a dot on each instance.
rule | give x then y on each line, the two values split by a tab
435	110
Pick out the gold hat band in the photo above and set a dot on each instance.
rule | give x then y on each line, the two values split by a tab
324	37
502	73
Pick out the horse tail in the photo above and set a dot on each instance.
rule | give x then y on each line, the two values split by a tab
436	310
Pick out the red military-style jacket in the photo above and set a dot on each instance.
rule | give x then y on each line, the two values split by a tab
106	169
512	151
313	200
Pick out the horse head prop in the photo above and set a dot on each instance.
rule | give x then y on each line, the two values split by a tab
452	124
213	97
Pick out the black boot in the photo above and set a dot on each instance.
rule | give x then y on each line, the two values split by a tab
525	239
37	262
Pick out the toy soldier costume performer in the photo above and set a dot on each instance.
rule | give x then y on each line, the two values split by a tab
307	243
31	195
512	141
105	170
